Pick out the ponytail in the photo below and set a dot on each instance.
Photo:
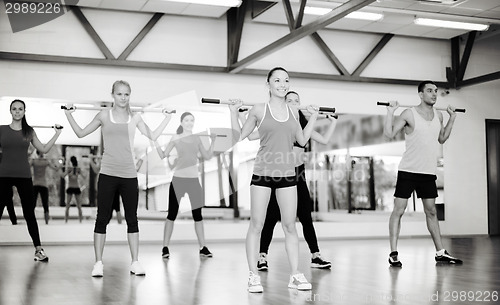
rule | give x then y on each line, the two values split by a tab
180	129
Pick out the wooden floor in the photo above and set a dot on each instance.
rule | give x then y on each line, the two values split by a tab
360	275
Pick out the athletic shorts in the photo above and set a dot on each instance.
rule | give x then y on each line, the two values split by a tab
73	190
423	184
274	182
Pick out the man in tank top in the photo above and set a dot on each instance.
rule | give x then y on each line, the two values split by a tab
424	131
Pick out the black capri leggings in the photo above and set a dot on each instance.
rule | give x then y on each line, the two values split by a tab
24	188
304	210
107	187
178	188
44	195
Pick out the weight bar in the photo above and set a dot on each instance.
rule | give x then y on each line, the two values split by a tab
409	106
228	102
53	126
134	109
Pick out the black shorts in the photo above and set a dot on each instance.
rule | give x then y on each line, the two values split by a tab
423	184
274	182
73	190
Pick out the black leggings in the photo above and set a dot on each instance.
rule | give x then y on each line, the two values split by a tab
304	210
24	188
44	195
178	188
107	187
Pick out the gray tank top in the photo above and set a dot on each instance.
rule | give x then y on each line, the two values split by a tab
275	157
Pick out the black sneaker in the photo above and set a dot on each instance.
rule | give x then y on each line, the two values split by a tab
204	252
262	263
40	256
393	259
320	263
165	253
447	258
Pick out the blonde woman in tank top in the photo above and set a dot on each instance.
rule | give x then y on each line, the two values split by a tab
424	131
274	170
118	172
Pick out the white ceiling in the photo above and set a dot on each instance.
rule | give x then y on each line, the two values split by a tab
398	14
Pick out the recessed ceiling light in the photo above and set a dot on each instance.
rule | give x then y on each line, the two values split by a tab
311	10
451	24
227	3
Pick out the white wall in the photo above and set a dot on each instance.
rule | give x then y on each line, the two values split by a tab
412	58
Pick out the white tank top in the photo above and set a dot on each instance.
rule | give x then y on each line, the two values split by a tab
422	146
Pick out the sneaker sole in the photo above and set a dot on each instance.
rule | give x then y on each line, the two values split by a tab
256	290
97	275
206	255
449	263
262	268
138	274
308	287
166	256
41	260
321	266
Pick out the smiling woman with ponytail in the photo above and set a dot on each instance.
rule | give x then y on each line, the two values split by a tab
15	140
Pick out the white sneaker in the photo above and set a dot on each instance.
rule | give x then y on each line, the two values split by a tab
254	284
98	270
298	281
137	269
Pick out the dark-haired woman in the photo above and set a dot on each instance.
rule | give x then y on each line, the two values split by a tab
73	189
274	170
15	169
185	180
304	201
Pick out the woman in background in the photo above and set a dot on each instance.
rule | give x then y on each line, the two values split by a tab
73	190
40	186
186	180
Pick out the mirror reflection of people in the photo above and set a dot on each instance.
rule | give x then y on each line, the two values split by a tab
40	186
95	163
185	180
73	190
15	140
424	131
118	172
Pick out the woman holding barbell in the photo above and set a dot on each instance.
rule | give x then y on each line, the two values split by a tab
118	171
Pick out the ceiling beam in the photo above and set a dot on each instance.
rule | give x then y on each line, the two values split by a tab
259	7
145	30
289	15
91	31
106	62
465	57
347	78
329	54
336	14
479	79
215	69
292	25
235	20
380	45
300	14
